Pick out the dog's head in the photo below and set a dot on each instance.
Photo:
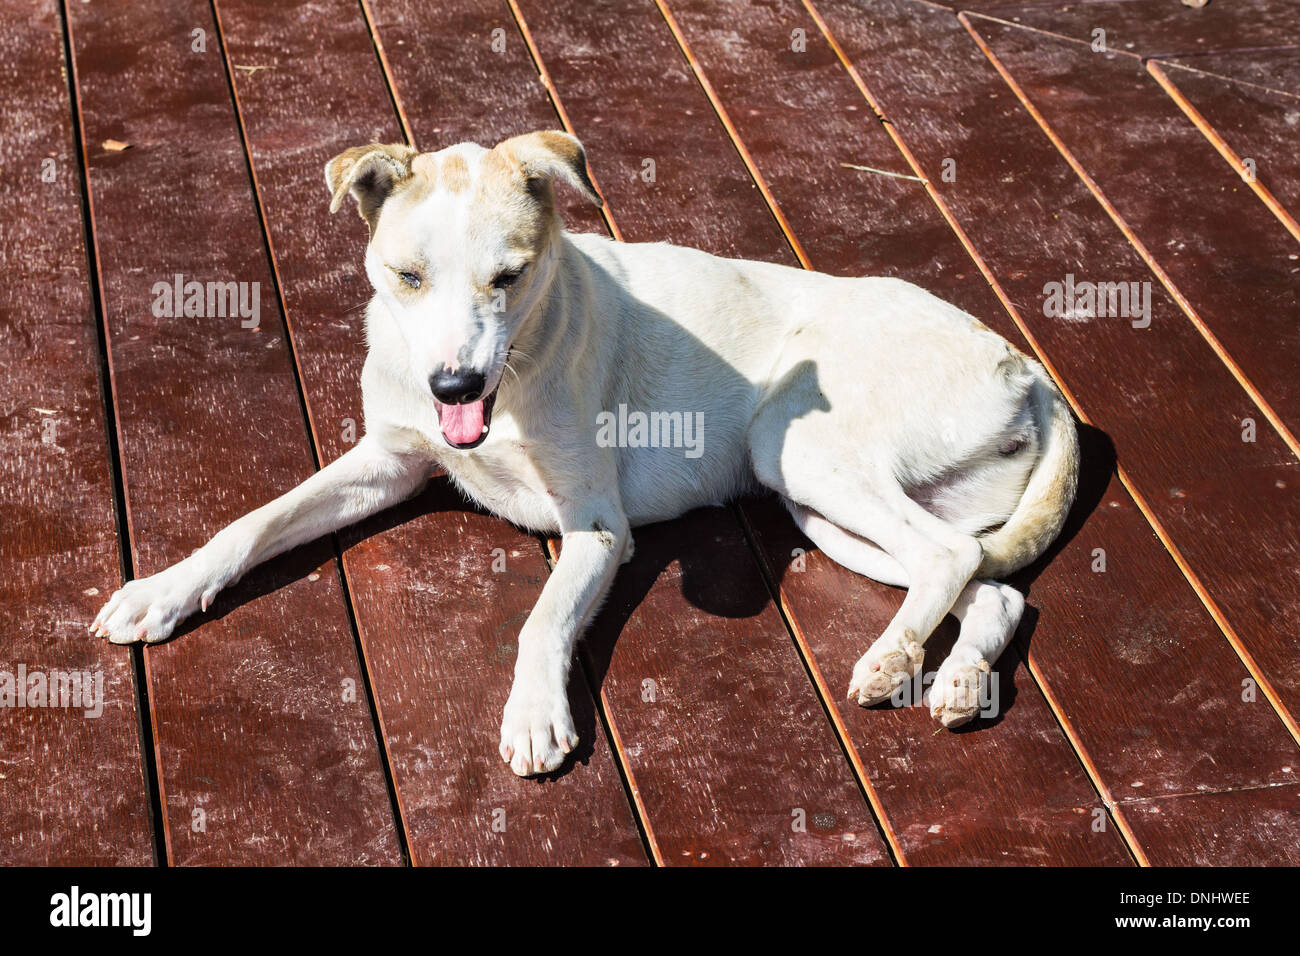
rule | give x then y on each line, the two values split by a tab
463	243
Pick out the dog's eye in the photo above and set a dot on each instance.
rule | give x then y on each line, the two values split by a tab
507	278
410	279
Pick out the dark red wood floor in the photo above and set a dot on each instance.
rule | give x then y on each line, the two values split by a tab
341	704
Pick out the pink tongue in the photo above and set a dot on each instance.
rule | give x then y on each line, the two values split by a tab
462	424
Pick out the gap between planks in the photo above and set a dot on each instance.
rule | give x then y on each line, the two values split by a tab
535	54
159	836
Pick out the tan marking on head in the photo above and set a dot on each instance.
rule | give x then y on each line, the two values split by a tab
455	173
501	177
426	166
526	215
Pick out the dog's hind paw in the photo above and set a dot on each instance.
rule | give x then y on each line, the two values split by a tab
959	692
536	732
885	666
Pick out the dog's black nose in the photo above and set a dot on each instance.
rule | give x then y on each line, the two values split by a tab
457	388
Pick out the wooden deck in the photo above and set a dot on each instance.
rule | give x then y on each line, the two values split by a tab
341	705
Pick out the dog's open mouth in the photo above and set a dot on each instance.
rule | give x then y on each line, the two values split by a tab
466	426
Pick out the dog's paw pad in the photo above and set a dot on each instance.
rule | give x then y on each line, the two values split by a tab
959	693
885	667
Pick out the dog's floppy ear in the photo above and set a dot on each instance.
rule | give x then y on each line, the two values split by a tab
370	174
546	154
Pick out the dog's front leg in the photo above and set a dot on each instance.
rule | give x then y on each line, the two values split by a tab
369	477
537	729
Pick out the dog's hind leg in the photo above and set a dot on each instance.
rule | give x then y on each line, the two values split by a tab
802	454
854	553
938	560
988	613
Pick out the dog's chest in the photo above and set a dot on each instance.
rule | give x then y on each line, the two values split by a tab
504	478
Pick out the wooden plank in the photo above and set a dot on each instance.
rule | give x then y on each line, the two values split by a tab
726	787
614	55
1232	828
1159	27
1015	793
265	751
436	623
72	786
1248	105
1195	221
1031	220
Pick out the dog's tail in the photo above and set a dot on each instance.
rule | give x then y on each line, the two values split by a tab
1048	495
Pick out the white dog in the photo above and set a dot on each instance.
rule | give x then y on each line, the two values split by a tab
910	443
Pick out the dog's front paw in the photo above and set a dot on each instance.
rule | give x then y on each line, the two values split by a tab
889	662
959	691
148	609
536	731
